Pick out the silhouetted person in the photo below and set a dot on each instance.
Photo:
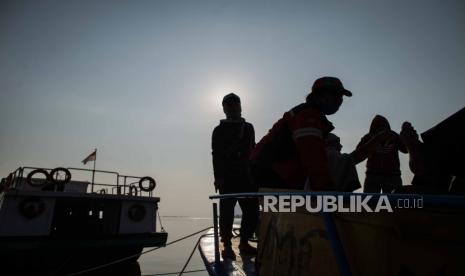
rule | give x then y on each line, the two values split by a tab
410	138
383	166
429	175
437	162
294	151
232	142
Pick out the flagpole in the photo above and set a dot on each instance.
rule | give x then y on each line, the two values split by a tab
93	171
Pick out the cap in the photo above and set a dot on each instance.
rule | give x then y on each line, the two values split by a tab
331	84
231	96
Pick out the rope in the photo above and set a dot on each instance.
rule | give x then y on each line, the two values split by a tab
190	256
159	220
187	262
136	255
62	266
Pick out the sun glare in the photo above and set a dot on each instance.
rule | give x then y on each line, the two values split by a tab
217	90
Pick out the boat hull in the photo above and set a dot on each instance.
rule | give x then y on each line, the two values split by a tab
22	254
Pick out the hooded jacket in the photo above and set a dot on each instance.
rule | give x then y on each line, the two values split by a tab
385	160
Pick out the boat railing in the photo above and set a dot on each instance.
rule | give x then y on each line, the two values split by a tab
429	200
117	184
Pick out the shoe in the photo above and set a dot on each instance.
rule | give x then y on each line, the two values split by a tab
246	249
228	253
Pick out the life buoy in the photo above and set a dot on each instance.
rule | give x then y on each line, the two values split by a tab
136	212
31	207
151	186
58	170
35	182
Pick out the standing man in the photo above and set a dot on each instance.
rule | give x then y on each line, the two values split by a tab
293	154
232	142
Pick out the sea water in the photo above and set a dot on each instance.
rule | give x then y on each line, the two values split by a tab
173	257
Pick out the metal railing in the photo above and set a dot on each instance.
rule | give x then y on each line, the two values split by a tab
122	185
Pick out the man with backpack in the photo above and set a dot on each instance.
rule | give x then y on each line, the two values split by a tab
293	153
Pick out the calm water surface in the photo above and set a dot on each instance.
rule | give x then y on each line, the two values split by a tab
172	258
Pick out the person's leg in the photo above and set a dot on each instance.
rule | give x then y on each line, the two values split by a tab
226	224
397	181
391	183
250	209
226	220
371	184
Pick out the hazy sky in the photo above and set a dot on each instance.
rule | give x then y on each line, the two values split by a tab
142	81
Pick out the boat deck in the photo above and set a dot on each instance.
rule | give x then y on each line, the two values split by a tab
243	265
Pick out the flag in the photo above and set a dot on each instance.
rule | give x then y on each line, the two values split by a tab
91	157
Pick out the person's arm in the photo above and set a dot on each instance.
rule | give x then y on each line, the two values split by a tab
362	151
410	139
364	139
247	144
368	145
253	136
402	147
416	161
218	162
307	133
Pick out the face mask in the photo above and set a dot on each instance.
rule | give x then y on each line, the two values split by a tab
329	109
329	105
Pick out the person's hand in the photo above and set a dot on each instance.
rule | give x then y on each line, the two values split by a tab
386	137
408	134
219	182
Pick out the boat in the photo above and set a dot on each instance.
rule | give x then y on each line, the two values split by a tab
422	239
50	220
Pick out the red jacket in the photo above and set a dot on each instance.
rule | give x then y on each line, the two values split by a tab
295	149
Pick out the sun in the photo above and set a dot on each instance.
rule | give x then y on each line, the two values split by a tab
217	90
216	98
